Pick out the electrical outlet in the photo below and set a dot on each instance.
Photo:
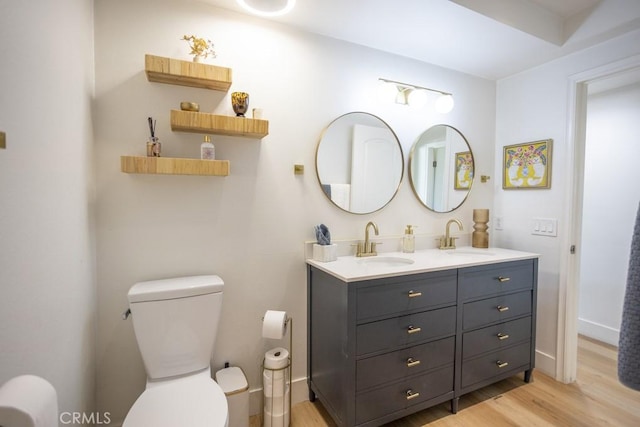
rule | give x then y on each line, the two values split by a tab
544	227
497	223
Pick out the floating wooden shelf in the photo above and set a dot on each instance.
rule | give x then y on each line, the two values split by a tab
187	73
187	121
174	166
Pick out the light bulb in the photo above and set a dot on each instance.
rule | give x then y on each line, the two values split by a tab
387	91
280	9
444	103
417	98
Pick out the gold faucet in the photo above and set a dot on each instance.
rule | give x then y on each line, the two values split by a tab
448	242
367	248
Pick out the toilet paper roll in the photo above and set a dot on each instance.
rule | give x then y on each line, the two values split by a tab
276	411
276	358
274	324
277	405
275	386
28	401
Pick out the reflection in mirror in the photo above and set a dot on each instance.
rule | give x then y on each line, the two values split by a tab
441	168
359	163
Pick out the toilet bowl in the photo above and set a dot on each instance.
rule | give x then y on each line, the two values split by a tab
175	323
194	401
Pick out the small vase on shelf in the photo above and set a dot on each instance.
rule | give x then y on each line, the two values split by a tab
240	103
200	48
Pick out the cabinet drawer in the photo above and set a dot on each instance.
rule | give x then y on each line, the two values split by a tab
386	400
399	364
495	337
396	298
493	364
482	281
497	309
391	334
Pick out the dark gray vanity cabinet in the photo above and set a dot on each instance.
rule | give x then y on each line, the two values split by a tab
381	349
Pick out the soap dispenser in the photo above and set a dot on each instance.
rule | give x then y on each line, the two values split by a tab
409	240
207	150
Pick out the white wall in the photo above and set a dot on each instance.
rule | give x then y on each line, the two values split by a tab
47	282
611	196
534	105
250	226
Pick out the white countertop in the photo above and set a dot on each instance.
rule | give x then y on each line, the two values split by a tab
353	269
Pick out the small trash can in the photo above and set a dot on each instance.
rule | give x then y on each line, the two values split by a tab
234	385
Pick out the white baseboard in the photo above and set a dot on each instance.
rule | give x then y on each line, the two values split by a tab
546	363
598	332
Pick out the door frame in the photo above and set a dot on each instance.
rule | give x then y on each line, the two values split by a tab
568	289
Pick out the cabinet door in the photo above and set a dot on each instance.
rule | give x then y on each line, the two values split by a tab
397	396
395	297
495	337
498	309
512	359
398	332
481	281
378	370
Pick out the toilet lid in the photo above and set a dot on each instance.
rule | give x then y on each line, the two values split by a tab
193	402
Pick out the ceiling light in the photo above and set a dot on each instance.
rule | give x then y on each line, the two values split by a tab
413	95
267	7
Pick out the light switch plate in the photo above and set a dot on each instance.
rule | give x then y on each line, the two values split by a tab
3	140
544	227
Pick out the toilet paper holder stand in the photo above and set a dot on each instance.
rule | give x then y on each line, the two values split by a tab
288	382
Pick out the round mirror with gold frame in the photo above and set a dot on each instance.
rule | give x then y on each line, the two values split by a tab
359	163
441	168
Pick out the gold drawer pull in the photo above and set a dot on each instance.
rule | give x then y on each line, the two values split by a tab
412	329
412	394
411	362
502	364
502	308
502	279
503	336
413	294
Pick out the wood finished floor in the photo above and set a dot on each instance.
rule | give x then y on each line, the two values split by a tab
595	399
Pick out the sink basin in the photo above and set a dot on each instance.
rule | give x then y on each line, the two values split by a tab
386	261
470	252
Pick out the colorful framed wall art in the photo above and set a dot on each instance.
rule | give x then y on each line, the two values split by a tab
464	171
527	165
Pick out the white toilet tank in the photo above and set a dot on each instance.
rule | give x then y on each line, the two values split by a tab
176	323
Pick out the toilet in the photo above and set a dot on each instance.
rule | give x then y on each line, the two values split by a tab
175	323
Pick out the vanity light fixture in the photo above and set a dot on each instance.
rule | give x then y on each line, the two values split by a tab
267	8
414	96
